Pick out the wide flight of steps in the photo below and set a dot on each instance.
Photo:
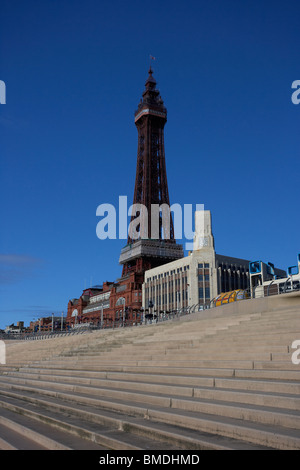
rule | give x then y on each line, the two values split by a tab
215	382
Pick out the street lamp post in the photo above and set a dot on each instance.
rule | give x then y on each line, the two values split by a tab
124	312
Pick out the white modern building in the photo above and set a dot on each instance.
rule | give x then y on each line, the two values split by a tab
193	281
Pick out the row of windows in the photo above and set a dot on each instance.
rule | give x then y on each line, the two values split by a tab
203	276
174	271
169	273
231	281
164	299
171	284
100	297
168	293
233	267
95	309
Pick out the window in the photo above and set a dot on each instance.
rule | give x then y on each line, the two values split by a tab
120	301
200	292
207	292
206	265
200	265
200	277
206	277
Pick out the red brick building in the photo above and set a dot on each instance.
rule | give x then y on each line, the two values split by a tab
110	304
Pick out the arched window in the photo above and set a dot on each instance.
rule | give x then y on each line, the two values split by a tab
120	301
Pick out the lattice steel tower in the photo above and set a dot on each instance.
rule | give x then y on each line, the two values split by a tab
151	241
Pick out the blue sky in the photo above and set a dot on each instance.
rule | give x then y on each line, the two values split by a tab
74	74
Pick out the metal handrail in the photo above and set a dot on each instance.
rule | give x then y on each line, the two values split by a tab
268	291
284	288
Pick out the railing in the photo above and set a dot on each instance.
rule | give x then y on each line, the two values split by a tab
37	335
146	319
276	287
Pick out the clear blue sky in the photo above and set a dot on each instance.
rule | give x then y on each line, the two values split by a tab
74	73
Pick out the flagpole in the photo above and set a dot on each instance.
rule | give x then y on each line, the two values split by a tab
151	58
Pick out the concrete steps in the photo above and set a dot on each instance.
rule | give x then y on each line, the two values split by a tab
19	432
120	427
119	388
79	430
216	382
254	426
96	378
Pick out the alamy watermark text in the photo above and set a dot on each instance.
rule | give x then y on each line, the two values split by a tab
138	226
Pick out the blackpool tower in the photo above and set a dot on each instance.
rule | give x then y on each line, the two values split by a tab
151	242
151	239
